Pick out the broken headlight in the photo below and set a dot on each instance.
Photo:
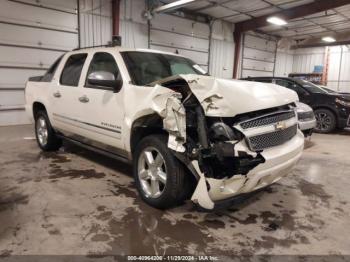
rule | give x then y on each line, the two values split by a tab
219	131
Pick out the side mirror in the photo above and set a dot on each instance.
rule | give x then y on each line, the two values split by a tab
105	79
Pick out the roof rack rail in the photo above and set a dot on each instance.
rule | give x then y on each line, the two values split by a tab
116	41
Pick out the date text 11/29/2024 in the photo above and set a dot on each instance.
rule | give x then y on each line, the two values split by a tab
173	258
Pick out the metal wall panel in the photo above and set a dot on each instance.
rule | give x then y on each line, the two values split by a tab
221	58
339	69
339	65
15	78
32	36
27	57
63	5
95	18
284	64
189	38
257	42
12	98
134	35
305	59
170	32
133	27
258	56
37	37
19	13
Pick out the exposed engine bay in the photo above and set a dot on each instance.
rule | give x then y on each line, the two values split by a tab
210	146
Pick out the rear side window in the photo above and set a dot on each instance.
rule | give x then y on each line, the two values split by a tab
50	73
72	70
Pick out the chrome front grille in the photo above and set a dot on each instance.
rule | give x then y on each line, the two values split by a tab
269	130
279	137
267	120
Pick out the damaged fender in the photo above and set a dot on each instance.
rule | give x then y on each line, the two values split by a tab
167	104
174	120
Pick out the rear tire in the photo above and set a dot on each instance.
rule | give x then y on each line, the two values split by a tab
45	135
159	176
326	121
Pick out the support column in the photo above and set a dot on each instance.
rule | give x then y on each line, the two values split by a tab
237	36
115	17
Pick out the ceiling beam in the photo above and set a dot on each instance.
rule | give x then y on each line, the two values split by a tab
320	44
341	39
291	13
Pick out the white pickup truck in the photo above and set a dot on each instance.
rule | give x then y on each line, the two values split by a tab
187	134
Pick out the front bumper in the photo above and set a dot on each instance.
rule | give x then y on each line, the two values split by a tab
307	125
279	161
343	116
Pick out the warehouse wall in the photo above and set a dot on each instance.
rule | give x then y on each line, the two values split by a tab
95	19
133	26
305	59
32	36
284	63
222	50
258	55
339	68
171	33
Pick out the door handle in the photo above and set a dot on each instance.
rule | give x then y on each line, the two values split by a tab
57	94
84	99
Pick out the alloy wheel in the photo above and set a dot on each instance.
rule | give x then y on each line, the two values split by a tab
152	172
324	121
41	130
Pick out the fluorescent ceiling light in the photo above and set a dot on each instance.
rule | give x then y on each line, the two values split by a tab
173	6
276	20
328	39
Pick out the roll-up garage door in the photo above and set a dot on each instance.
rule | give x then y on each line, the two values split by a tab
32	36
258	56
174	34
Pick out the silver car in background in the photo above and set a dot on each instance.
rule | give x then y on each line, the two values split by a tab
306	118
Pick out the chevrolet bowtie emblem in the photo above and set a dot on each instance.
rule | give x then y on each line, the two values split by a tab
280	126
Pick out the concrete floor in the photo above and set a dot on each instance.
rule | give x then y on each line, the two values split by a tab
78	202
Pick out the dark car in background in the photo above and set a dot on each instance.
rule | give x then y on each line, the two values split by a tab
332	110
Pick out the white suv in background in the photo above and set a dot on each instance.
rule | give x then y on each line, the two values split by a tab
188	135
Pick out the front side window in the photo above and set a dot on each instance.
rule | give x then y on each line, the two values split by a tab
72	70
145	67
102	62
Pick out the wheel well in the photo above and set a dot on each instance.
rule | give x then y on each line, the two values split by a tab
37	106
144	126
327	108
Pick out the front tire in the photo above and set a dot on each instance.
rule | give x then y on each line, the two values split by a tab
159	176
326	121
45	135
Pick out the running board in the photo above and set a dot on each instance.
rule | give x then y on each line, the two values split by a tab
95	149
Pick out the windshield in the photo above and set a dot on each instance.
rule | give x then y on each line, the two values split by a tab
312	87
145	67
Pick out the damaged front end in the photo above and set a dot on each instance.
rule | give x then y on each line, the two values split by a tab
213	142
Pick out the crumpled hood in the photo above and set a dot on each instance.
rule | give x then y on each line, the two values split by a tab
228	98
